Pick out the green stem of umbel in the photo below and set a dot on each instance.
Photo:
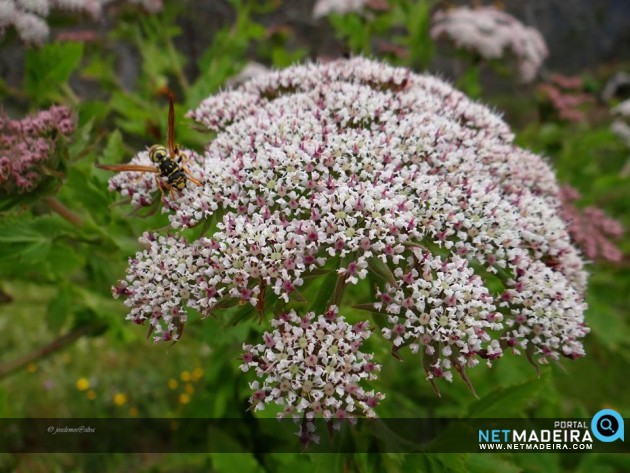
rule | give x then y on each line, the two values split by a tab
57	207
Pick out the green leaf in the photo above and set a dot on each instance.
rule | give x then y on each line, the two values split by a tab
114	150
448	462
508	402
229	462
608	325
88	192
65	260
484	462
470	82
376	266
23	243
3	402
92	111
59	308
539	463
419	41
325	293
30	242
50	67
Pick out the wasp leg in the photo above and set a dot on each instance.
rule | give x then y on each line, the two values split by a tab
190	177
183	162
181	158
160	186
178	155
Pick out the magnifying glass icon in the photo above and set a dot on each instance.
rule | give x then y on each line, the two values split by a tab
606	424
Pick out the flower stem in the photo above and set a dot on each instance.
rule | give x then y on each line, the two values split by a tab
50	348
64	211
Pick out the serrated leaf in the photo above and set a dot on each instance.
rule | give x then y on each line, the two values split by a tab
114	150
23	244
38	245
509	401
87	192
50	67
20	234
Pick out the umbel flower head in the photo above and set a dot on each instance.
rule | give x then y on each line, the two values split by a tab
492	34
27	145
313	366
375	177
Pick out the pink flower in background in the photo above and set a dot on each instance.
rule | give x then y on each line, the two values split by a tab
492	34
26	145
28	17
566	97
567	82
352	168
84	36
591	229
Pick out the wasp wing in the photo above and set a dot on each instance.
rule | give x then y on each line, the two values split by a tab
171	127
128	168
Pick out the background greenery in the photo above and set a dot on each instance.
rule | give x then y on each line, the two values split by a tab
67	350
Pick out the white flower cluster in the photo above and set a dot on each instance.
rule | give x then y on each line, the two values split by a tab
326	7
623	109
159	285
441	305
28	17
492	34
313	367
365	169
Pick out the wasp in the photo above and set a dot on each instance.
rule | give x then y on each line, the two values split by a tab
169	164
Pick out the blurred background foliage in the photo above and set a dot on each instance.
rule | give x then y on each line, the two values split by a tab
68	352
